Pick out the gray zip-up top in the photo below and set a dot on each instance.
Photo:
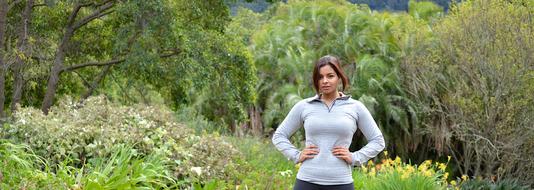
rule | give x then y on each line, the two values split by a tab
327	127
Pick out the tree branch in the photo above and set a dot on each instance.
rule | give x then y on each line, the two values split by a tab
85	82
100	12
111	62
172	53
74	13
74	67
39	5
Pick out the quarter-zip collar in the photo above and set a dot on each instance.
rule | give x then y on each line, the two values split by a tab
317	97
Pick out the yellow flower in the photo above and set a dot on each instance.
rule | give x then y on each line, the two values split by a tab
442	166
399	169
398	160
427	173
372	172
453	183
445	176
422	168
298	165
370	163
386	153
410	169
464	177
448	158
385	163
364	169
405	175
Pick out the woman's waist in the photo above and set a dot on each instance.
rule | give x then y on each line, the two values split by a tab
325	160
331	172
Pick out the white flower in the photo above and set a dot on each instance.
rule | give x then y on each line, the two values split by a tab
197	170
286	173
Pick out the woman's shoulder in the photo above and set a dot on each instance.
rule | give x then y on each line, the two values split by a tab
302	103
309	99
357	103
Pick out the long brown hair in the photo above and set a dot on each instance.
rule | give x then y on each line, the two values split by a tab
335	64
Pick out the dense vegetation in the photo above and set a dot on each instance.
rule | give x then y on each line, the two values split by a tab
181	94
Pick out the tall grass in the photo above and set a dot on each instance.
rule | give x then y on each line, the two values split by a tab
266	167
20	168
125	169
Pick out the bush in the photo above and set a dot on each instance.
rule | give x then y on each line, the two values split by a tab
477	184
474	87
84	132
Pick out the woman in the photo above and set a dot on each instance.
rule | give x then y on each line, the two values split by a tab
330	119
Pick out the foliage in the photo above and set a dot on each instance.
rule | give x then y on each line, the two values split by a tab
477	184
85	132
424	10
266	168
18	165
368	43
474	86
395	174
124	169
165	51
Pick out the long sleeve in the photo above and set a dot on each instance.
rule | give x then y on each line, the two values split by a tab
375	139
287	128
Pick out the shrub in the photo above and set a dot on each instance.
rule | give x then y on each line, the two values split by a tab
84	132
478	184
474	87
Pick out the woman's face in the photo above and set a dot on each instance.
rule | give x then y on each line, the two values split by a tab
328	80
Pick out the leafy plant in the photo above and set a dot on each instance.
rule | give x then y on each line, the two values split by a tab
81	133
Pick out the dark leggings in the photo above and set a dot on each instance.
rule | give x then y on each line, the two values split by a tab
304	185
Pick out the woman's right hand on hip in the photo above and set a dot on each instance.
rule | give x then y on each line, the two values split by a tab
308	153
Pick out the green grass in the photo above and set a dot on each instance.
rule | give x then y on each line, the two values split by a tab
266	167
20	168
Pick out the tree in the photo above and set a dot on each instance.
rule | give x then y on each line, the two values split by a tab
4	8
23	53
100	10
169	49
473	83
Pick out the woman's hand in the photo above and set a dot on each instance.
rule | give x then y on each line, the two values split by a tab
343	153
308	153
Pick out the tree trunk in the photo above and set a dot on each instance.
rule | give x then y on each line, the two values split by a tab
255	121
22	47
3	69
95	83
53	80
72	25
